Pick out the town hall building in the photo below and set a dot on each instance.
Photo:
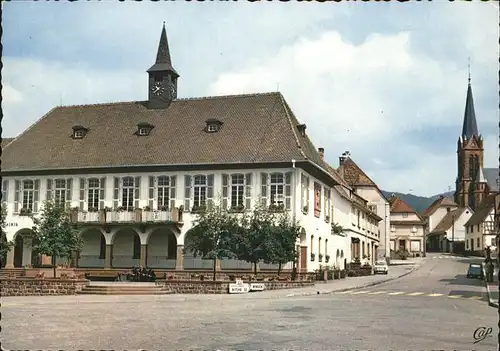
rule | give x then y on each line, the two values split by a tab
135	175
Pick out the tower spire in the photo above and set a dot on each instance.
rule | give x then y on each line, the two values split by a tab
468	67
163	61
469	127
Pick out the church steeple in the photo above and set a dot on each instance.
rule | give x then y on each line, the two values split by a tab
469	127
162	76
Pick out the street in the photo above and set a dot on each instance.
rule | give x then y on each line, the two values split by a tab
435	307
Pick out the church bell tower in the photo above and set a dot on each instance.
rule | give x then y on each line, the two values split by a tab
470	155
162	86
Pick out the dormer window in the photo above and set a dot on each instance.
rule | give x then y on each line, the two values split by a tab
79	132
213	125
302	129
143	129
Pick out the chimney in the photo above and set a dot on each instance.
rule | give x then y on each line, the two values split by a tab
321	153
341	160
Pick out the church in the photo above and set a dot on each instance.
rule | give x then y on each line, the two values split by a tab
474	182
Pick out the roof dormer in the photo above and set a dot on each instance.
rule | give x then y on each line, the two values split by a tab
302	129
213	125
79	132
144	128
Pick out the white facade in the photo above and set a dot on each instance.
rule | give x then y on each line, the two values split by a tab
480	236
406	233
436	217
164	191
379	205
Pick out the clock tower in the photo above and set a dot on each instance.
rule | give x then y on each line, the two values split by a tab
162	86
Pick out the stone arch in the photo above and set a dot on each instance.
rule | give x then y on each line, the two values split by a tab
23	247
162	249
126	248
189	260
93	253
342	259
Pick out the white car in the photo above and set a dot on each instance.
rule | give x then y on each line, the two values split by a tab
381	267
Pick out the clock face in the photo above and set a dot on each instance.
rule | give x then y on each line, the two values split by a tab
158	89
172	91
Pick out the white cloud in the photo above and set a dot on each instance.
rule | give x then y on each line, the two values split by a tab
11	95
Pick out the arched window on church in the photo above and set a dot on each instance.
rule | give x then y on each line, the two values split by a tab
476	165
472	175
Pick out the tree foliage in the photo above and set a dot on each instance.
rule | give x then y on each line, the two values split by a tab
55	234
259	236
255	236
281	244
212	235
5	245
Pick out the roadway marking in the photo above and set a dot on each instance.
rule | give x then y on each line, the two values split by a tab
434	295
377	292
475	297
455	296
360	292
416	294
396	293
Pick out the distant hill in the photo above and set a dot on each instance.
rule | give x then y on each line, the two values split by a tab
419	203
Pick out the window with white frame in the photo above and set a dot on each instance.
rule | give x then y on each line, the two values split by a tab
5	190
163	192
328	205
128	189
277	187
304	199
93	193
200	191
28	194
60	192
237	190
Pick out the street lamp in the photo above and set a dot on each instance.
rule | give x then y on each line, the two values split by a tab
452	233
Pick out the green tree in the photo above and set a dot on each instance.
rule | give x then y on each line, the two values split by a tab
281	243
55	234
212	235
5	245
253	239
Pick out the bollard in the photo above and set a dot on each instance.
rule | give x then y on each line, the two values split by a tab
325	275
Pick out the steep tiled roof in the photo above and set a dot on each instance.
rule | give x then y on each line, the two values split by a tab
448	219
482	211
399	206
257	128
469	128
6	141
440	202
354	175
491	175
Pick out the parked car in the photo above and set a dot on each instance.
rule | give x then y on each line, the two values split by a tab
475	271
381	267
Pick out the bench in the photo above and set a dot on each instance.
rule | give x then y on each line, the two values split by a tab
107	276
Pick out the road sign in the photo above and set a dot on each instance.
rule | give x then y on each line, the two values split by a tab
239	287
257	287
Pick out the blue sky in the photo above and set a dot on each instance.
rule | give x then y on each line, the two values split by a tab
386	81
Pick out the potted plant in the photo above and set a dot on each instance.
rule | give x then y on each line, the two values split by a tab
163	208
305	209
146	209
276	207
320	258
327	258
25	211
238	208
327	218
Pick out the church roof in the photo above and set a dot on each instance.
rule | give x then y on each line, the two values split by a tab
469	127
492	178
257	128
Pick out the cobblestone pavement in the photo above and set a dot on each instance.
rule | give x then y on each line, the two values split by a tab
260	321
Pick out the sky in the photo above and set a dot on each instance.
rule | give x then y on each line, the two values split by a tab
385	81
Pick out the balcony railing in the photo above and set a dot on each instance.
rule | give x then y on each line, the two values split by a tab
135	216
